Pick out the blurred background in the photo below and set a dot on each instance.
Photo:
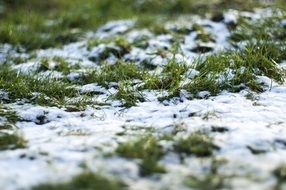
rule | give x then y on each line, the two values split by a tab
35	24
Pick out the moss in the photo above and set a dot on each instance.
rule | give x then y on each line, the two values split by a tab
148	150
198	144
85	181
11	141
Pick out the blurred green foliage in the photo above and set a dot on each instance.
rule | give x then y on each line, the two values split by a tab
35	24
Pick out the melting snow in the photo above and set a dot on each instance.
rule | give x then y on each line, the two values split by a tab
60	141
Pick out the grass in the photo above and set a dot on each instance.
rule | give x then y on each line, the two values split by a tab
231	70
209	114
121	71
169	78
84	181
9	138
8	118
54	23
258	47
211	180
128	94
44	91
155	23
262	29
146	149
198	144
12	59
11	141
202	34
238	69
280	175
117	52
118	41
9	115
60	65
6	126
57	22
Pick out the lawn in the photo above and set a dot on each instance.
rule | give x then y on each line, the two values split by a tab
142	94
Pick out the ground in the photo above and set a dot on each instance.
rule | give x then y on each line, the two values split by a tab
142	95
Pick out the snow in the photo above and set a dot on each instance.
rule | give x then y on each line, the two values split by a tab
257	125
59	144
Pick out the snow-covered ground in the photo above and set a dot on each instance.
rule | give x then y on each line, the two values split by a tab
60	142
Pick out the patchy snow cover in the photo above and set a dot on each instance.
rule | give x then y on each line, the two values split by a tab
59	142
63	141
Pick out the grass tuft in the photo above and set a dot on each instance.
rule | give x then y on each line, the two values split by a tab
85	181
60	65
236	70
11	141
9	115
212	180
169	79
148	150
198	144
280	175
128	94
